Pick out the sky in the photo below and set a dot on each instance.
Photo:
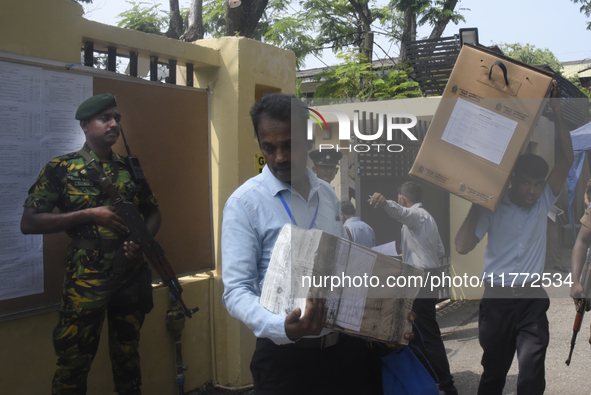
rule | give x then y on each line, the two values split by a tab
557	25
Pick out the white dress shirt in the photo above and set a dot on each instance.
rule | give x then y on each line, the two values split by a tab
421	243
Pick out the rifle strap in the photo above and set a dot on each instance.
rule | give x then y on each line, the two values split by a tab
119	262
90	161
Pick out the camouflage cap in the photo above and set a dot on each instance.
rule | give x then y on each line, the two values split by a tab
326	157
95	105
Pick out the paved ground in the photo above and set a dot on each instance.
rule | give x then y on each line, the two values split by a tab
459	325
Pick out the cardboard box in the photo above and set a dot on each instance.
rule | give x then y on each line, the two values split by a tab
482	124
365	306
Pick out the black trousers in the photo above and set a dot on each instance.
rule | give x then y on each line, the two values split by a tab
429	342
506	325
350	367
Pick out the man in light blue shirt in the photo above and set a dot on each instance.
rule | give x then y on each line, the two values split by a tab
294	354
512	316
358	231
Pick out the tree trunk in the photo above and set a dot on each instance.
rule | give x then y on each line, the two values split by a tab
243	19
195	30
175	27
364	17
368	46
409	32
442	22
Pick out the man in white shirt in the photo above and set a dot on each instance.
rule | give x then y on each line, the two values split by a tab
421	247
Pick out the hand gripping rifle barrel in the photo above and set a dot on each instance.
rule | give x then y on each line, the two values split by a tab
140	235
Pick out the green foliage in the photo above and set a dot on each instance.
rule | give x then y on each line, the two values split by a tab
314	26
214	20
427	11
280	25
434	10
585	9
396	85
357	79
298	87
275	11
288	33
577	82
337	21
531	55
332	24
145	18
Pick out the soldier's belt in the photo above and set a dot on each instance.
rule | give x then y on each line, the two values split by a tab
105	245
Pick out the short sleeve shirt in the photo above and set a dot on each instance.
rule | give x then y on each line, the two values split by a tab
68	184
516	239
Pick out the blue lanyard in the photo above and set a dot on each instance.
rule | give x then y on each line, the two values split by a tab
291	216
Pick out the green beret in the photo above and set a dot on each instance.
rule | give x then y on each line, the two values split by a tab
95	105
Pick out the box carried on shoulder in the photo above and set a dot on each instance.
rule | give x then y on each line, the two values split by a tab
489	109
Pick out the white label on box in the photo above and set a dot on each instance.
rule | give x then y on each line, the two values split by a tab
479	131
355	286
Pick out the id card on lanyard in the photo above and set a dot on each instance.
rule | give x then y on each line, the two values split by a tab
292	217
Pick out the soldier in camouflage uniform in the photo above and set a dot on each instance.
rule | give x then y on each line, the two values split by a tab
91	288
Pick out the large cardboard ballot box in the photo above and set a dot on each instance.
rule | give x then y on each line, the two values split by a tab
484	121
368	294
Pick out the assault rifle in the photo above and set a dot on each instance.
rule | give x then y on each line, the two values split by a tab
140	235
581	306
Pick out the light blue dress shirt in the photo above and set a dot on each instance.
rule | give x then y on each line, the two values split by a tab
516	239
252	219
361	232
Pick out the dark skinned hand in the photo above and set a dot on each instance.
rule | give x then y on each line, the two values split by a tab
313	320
554	96
107	216
377	200
131	249
395	346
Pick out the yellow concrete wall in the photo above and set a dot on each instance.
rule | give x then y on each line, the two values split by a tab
248	69
28	360
236	70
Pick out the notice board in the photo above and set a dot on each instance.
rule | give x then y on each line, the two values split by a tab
166	127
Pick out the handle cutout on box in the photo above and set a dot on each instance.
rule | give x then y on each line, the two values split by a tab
506	85
503	69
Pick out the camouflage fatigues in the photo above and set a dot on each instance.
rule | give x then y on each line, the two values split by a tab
91	289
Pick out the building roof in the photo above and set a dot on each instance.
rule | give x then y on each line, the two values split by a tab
309	74
582	68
